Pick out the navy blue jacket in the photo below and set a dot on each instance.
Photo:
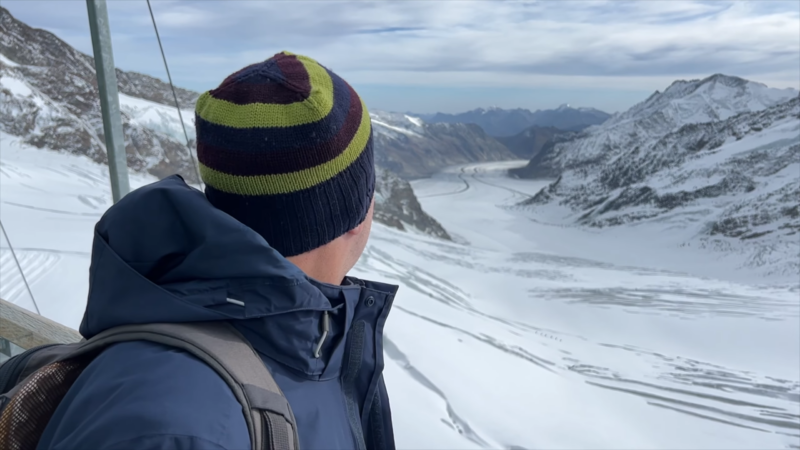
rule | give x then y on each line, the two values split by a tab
165	254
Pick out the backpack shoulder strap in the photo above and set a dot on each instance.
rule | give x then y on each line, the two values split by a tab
36	381
269	417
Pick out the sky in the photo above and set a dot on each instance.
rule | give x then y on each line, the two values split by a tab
427	56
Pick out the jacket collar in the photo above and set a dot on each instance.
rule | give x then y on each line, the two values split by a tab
298	339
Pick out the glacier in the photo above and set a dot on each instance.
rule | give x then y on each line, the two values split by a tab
516	334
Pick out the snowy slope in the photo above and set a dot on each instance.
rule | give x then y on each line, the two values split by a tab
160	118
495	342
49	203
396	124
34	106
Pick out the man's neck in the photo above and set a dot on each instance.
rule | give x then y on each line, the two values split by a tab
316	266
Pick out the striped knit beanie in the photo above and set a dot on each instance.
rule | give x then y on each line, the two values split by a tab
285	147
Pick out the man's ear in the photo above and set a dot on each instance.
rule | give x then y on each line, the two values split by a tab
360	226
357	230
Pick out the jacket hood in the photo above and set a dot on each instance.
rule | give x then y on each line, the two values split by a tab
163	253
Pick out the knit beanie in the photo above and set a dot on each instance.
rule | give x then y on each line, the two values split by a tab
285	147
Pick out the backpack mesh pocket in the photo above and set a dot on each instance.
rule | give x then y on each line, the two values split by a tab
25	417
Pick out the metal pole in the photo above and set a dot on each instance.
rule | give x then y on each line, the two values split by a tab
109	97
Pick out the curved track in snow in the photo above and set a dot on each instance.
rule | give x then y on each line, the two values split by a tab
472	173
462	189
35	265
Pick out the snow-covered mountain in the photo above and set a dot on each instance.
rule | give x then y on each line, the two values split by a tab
717	97
714	161
509	122
412	148
49	99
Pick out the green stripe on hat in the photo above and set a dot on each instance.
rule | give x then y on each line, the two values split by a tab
259	115
286	183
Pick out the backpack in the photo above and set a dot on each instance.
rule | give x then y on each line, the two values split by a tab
33	383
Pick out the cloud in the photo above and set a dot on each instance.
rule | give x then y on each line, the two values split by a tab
389	30
643	45
185	17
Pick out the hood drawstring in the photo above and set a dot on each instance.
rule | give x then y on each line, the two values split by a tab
326	326
325	329
235	302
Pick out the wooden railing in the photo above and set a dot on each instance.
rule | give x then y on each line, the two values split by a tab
24	329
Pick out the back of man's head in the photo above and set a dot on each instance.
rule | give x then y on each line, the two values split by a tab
285	147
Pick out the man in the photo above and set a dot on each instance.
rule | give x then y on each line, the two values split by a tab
285	150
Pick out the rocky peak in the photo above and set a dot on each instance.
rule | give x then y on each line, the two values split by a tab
43	52
717	97
397	206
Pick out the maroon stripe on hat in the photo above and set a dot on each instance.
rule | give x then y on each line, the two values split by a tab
269	92
280	80
269	160
233	77
295	73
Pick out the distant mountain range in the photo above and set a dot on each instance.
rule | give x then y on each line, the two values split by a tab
500	122
717	157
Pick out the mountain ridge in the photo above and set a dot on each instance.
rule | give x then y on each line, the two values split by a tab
716	158
499	122
684	102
